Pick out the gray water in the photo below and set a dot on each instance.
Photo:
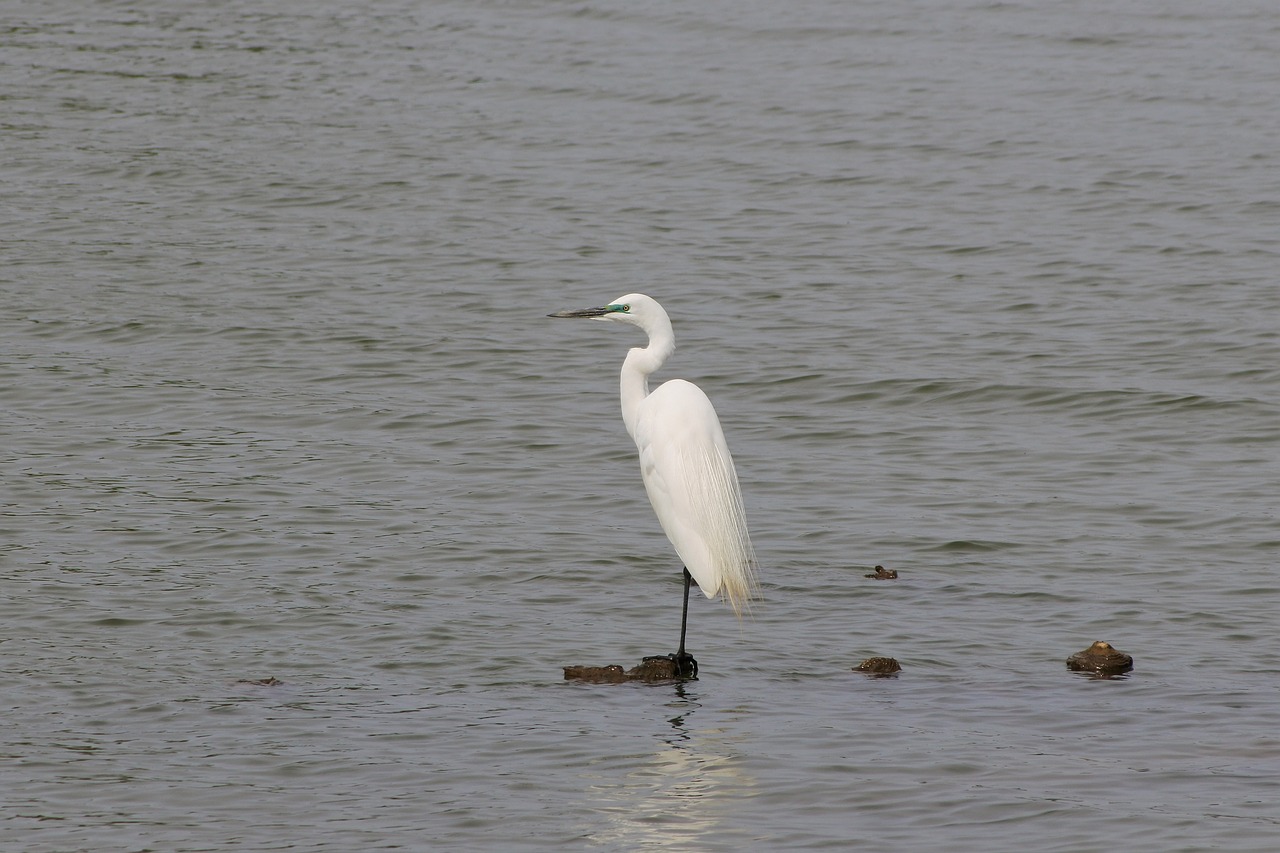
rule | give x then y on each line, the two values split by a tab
984	292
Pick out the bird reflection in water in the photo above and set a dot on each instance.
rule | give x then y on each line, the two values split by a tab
685	792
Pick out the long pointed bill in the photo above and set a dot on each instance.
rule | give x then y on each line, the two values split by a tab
583	312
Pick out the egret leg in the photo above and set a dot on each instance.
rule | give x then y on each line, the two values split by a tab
686	666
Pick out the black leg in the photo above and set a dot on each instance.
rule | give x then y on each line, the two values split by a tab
686	666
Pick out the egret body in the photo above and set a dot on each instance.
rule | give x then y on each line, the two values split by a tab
685	463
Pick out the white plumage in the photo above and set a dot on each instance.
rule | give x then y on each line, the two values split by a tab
693	487
684	460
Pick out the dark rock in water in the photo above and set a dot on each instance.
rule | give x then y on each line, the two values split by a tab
654	669
1101	658
883	574
878	667
680	664
595	674
261	682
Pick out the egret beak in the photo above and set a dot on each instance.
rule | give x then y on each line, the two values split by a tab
583	312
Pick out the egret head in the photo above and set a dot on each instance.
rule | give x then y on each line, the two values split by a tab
635	309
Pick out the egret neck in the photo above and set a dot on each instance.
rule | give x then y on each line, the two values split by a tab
639	364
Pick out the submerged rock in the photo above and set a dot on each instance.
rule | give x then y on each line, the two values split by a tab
1101	658
883	574
261	682
878	667
653	669
595	674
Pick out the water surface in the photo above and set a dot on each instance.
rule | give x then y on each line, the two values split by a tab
984	292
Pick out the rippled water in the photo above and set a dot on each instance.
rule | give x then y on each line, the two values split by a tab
984	292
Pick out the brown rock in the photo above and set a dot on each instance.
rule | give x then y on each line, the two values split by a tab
611	674
1101	658
878	667
652	669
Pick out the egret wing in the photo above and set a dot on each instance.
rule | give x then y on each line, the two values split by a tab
689	476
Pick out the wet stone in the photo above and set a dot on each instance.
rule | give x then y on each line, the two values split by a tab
878	667
650	670
1101	658
595	674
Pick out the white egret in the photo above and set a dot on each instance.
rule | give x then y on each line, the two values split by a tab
685	463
